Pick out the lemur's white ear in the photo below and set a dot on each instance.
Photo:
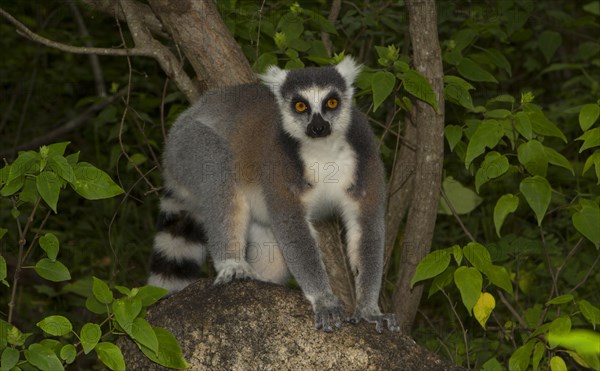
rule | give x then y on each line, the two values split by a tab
348	69
273	77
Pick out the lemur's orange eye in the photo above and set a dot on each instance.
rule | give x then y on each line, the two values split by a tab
300	106
332	103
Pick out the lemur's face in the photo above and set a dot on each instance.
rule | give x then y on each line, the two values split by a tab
314	102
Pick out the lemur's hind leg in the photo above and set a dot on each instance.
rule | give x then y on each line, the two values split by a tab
179	246
264	255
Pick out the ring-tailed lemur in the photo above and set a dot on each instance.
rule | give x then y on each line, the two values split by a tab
249	168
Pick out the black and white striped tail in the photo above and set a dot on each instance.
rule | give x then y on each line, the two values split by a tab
179	246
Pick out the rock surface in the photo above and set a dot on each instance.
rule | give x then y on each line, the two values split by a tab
254	325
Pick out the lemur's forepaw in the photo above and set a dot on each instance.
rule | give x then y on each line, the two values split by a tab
378	319
234	271
329	312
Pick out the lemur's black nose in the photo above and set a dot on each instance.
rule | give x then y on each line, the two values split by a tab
318	127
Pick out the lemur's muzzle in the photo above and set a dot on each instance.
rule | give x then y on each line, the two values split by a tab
318	127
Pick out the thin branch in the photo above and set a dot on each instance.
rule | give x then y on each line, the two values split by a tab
168	62
549	263
94	60
22	242
26	32
511	309
112	8
336	6
260	13
453	210
68	126
453	306
587	275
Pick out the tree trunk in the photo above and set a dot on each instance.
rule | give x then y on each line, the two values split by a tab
200	33
429	159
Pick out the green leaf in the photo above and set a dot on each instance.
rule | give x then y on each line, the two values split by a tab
499	60
523	125
169	351
487	135
558	328
125	311
57	149
150	294
102	291
417	85
456	90
594	159
453	134
12	187
533	157
538	353
492	364
463	199
382	84
499	276
43	358
483	308
469	283
493	166
264	61
588	115
537	193
110	355
497	114
442	280
55	325
557	159
557	364
95	306
54	271
560	300
587	220
3	271
457	252
3	232
291	25
93	183
519	360
505	205
582	341
50	245
9	359
548	42
470	70
592	7
25	163
432	264
73	158
89	335
68	353
590	312
62	168
540	123
48	185
591	138
477	255
143	334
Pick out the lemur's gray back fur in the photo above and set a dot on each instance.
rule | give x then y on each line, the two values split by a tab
249	168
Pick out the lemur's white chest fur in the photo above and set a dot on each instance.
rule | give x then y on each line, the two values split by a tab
330	169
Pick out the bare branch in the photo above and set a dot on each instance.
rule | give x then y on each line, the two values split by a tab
26	32
94	60
168	62
112	8
336	6
67	127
